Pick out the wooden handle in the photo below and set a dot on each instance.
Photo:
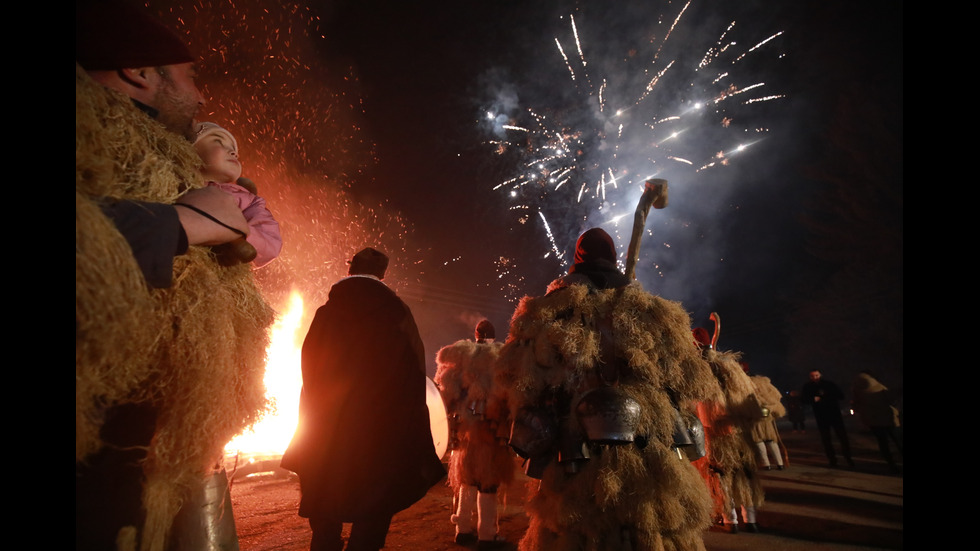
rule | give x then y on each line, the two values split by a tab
714	338
654	195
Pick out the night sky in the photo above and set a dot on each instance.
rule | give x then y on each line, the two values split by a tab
416	80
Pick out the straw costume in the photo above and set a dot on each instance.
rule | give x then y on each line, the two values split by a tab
596	335
765	434
191	356
481	463
875	405
729	468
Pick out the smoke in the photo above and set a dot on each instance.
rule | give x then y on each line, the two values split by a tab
653	96
611	95
497	85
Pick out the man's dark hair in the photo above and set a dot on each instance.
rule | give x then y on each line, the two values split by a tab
369	261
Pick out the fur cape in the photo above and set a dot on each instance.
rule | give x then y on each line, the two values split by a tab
644	496
764	429
196	350
729	469
479	414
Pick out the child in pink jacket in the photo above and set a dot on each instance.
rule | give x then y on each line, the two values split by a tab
219	151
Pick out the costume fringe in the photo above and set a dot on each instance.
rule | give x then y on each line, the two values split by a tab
644	493
196	350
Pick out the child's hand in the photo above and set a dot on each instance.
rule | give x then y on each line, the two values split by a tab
234	252
248	184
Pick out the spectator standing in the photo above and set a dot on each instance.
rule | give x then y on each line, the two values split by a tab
363	447
824	398
794	411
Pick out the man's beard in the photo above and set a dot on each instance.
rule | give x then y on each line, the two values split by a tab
176	113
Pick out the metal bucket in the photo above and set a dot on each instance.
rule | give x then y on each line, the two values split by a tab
205	522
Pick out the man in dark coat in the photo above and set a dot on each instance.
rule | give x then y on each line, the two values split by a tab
825	397
363	449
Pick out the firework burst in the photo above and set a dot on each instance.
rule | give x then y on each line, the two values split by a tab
642	96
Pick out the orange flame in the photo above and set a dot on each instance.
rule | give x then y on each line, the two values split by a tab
283	382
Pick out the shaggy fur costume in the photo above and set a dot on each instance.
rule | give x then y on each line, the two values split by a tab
874	402
465	376
195	350
640	494
729	469
764	429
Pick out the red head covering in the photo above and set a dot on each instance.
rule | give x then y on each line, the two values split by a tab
701	336
116	34
594	245
484	330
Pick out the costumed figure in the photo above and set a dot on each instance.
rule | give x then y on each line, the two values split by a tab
729	468
765	433
599	372
363	448
875	405
481	464
169	356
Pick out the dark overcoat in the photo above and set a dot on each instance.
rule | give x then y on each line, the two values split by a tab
363	447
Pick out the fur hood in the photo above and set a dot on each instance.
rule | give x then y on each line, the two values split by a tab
768	395
874	403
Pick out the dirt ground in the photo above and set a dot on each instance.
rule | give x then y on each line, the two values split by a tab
809	506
